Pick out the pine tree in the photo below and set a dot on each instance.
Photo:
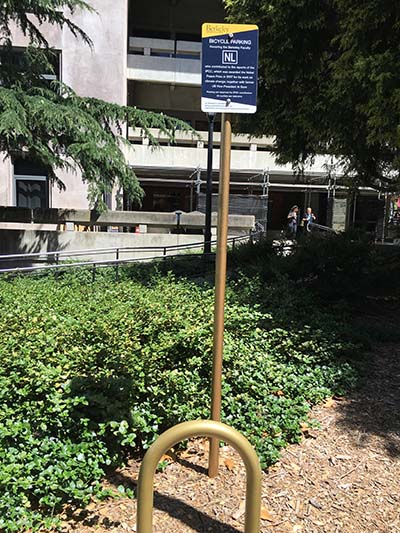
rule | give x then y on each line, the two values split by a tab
49	123
329	82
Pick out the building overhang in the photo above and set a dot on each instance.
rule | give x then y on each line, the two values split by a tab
278	180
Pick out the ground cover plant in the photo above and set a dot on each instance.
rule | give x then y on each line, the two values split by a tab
92	372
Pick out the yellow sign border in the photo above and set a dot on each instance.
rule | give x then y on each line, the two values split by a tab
214	29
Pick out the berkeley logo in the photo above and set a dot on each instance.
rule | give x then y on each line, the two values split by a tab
230	57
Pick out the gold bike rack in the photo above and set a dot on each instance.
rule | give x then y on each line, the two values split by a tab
198	428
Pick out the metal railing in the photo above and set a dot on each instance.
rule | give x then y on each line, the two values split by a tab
165	48
59	254
321	228
58	259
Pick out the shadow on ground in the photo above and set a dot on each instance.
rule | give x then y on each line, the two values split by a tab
197	520
176	508
188	515
374	410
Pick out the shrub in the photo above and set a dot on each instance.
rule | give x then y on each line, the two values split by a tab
91	373
334	266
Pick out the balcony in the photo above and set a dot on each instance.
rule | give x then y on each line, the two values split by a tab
239	141
164	61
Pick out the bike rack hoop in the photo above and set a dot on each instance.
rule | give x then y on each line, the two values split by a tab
205	428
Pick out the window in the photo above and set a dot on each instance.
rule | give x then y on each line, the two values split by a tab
31	185
16	60
173	19
31	191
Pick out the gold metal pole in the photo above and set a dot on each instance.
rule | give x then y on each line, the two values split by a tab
207	428
220	283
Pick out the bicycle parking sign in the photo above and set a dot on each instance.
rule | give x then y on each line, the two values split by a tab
229	68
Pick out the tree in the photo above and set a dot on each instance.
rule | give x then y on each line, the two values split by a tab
329	82
49	122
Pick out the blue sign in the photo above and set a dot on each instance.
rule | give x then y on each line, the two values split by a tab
229	68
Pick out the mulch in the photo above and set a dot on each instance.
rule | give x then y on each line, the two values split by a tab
343	477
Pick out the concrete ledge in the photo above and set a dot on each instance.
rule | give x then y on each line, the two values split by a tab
15	214
238	224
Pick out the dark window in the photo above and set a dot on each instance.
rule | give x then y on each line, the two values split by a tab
107	199
166	199
28	167
152	34
17	59
173	19
194	37
31	192
31	184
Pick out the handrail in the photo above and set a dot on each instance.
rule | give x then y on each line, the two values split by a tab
109	262
313	225
104	263
185	430
98	251
116	249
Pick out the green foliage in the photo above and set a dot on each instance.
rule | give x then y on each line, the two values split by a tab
329	82
64	131
338	265
324	282
329	268
54	12
50	124
91	373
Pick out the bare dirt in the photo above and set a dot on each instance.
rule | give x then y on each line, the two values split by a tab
343	477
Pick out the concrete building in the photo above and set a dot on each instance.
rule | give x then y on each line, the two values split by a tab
148	54
99	72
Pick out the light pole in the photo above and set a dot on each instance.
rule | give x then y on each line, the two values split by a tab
207	229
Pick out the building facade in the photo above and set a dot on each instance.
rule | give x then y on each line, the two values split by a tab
148	54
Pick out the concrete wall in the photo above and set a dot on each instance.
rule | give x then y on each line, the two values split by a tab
6	181
237	224
99	71
69	243
28	241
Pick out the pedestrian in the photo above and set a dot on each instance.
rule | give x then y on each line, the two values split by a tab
293	221
308	219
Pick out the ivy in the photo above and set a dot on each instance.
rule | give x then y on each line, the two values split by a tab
91	374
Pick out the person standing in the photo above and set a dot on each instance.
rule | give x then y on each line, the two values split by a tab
308	219
293	221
